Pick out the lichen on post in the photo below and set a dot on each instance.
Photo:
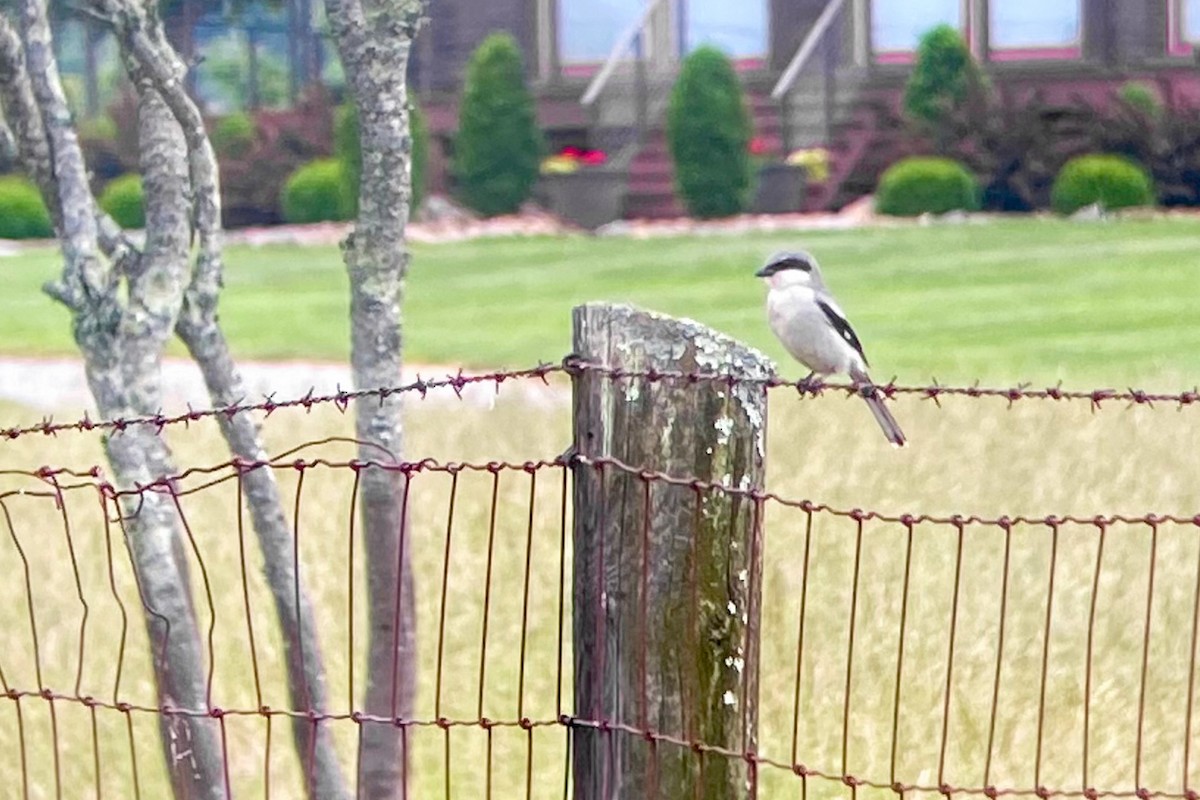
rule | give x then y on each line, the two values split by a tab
667	576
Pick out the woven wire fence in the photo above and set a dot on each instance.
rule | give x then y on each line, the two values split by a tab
912	653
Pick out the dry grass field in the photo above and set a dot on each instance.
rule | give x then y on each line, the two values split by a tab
1096	305
969	457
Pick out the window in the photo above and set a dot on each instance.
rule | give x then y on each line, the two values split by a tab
1031	25
740	29
588	29
897	25
1183	27
1190	27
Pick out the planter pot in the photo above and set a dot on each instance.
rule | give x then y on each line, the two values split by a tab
589	197
780	189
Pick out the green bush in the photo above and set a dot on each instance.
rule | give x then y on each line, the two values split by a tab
498	148
1112	181
23	215
943	78
923	184
708	131
122	200
347	148
313	193
233	135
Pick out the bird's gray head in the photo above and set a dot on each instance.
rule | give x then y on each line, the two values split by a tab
791	267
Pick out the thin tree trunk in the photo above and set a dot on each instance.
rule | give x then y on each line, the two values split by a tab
121	348
178	169
373	39
197	326
305	667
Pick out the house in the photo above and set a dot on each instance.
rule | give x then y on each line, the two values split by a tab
817	71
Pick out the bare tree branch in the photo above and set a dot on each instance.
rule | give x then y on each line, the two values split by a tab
178	166
121	352
151	58
23	118
155	68
373	39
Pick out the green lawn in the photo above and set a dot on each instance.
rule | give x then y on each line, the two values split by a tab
1031	300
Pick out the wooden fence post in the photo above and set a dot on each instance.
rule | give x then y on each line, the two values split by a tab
666	575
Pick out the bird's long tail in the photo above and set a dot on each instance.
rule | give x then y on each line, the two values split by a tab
891	428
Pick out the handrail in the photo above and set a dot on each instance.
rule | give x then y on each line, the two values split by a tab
807	48
622	45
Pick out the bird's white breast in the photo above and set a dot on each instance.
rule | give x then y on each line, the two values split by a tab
802	327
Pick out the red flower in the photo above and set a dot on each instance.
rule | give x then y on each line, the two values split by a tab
759	146
572	152
593	157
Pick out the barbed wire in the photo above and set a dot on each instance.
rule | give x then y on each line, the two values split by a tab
571	366
934	391
339	399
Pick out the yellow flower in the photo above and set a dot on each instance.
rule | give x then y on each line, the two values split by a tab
815	161
559	165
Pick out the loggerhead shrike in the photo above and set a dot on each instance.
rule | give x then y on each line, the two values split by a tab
807	320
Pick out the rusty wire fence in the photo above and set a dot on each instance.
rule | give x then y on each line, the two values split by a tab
903	654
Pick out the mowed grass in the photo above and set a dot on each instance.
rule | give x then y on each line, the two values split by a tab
1022	299
969	456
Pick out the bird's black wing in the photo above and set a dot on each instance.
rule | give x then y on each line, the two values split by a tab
842	326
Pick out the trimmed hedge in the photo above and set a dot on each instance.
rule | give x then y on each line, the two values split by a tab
1112	181
926	185
499	146
348	149
23	215
708	130
313	193
122	200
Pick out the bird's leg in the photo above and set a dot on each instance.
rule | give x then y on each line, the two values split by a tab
811	383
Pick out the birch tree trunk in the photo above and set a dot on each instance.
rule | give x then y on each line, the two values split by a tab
122	346
373	38
151	57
